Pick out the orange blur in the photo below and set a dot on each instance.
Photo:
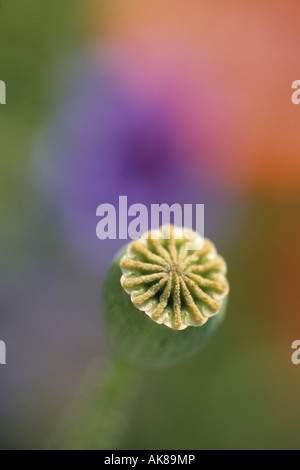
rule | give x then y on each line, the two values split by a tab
250	49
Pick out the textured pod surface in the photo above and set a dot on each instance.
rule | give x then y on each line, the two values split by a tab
172	284
140	338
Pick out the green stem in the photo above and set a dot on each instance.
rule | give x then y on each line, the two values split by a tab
96	421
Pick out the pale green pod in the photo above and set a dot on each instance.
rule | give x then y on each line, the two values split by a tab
162	301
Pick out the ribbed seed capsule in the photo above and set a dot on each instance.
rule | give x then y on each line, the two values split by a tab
174	286
162	301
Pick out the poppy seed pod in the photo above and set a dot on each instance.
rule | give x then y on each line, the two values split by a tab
162	301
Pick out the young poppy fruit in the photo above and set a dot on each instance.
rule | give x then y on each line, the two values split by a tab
163	300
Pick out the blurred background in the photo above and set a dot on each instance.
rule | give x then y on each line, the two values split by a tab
162	101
